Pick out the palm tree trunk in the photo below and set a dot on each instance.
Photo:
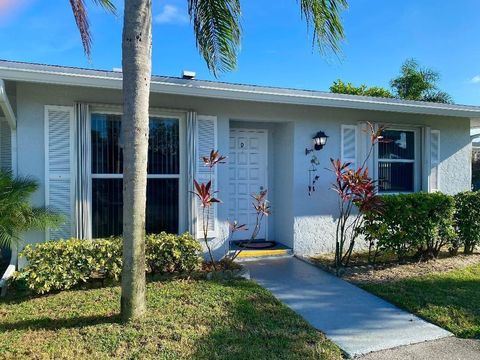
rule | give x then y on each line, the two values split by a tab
136	63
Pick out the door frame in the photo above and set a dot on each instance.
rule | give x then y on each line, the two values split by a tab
266	132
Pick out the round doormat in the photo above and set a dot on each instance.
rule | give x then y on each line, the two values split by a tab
257	244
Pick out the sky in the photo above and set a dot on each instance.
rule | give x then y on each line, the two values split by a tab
276	46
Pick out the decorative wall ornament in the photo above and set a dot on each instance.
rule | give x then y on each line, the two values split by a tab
319	141
312	177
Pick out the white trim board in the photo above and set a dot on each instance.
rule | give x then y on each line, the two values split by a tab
59	75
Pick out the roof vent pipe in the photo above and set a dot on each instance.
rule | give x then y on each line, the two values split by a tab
188	74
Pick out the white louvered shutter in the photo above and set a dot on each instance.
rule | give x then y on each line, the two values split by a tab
349	145
206	141
434	183
59	167
5	146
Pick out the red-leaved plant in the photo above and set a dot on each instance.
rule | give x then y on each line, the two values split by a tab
356	190
260	204
207	198
262	209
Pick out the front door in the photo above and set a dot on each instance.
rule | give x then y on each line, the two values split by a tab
247	175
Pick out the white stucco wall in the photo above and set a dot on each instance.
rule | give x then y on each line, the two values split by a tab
302	221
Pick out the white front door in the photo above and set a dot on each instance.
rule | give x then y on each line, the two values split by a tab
247	163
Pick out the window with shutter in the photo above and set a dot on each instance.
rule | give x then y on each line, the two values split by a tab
349	145
163	175
206	141
434	182
59	167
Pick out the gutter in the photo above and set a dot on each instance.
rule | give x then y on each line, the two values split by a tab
12	121
175	86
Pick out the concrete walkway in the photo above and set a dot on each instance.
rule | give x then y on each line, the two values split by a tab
449	348
355	320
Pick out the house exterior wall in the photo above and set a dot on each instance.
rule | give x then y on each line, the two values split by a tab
302	221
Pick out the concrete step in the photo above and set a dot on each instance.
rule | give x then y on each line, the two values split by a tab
250	254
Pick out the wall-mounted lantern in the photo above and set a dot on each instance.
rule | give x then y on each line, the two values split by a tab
319	141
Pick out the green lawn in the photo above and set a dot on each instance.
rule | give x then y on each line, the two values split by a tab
450	300
187	319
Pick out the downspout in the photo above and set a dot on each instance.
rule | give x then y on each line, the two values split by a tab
6	107
12	121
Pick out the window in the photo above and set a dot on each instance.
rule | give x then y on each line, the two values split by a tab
162	212
397	165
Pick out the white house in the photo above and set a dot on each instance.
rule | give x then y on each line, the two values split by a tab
61	126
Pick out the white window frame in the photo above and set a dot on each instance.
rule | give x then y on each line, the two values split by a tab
159	113
417	171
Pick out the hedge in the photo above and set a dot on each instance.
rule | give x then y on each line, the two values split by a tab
420	223
467	220
61	265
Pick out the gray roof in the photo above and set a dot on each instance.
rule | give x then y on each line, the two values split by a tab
21	71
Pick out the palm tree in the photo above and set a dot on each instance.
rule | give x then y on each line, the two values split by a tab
217	29
16	213
417	83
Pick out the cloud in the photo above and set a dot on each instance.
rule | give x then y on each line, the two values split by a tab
171	14
475	79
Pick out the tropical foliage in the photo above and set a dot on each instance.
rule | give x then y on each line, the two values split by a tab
262	209
61	265
413	83
340	87
81	19
356	191
16	213
417	83
206	197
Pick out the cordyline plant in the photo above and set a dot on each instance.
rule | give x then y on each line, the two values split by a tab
207	198
262	209
356	191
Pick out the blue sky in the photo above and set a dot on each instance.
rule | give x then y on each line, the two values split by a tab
276	48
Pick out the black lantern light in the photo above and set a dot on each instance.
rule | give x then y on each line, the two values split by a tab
319	141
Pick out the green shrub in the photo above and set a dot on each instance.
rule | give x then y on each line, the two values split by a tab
419	222
61	265
166	253
467	219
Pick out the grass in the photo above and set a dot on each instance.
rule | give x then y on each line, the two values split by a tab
450	300
187	319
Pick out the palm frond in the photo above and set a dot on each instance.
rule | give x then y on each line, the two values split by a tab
216	24
81	19
438	97
16	213
324	17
